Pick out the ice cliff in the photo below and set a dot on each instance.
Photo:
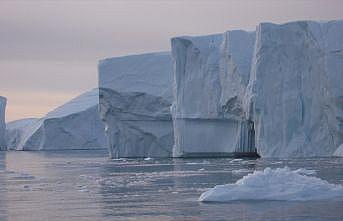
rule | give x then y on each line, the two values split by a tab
279	90
74	125
2	123
135	98
210	77
296	89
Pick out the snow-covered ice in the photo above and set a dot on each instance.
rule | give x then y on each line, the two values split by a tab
135	99
275	184
74	125
2	123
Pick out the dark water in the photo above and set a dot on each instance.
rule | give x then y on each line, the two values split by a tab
85	185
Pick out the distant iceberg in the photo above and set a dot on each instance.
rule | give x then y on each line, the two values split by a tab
275	184
2	123
74	125
15	130
135	99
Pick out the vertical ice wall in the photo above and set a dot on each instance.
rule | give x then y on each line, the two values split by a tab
2	123
135	99
210	77
296	89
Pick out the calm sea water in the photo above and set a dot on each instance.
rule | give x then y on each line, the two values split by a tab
85	185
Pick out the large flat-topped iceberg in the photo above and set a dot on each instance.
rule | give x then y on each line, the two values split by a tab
135	98
296	89
210	76
149	73
2	123
74	125
279	90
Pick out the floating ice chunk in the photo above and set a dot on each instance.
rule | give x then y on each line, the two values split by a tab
239	171
192	163
274	184
236	160
305	171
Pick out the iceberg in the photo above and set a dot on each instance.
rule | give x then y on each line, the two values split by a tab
295	92
135	98
74	125
277	91
15	131
2	123
275	184
210	78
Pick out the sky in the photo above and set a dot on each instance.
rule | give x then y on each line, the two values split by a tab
49	50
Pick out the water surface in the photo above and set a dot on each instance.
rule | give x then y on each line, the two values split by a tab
85	185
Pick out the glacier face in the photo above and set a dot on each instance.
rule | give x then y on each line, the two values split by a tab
135	99
296	89
74	125
210	77
2	123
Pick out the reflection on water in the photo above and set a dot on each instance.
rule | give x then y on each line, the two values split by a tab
85	185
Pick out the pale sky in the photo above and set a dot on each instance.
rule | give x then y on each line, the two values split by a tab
49	49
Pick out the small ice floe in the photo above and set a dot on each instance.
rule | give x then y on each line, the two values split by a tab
239	171
192	163
277	162
275	184
202	169
119	159
148	158
305	171
83	188
137	183
236	160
